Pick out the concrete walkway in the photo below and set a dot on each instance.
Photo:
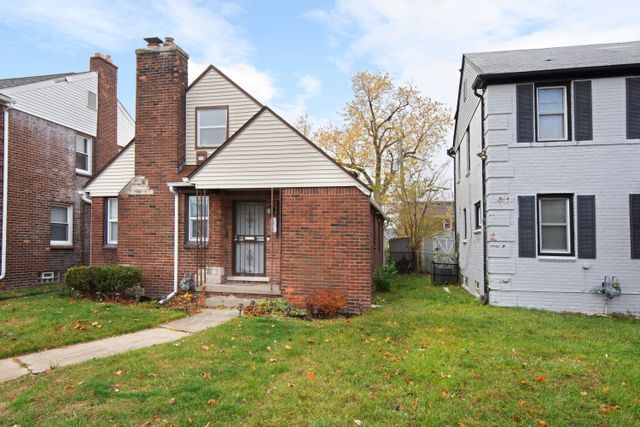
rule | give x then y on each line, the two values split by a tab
42	361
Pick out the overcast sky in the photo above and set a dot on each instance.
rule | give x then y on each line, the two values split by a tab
297	56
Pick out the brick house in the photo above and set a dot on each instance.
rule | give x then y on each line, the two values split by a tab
219	188
56	131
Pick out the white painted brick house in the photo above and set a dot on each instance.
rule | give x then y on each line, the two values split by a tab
547	176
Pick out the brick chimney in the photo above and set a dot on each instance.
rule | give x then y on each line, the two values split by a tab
106	144
161	87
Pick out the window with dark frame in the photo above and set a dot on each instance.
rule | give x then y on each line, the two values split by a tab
555	225
464	217
468	141
211	126
197	218
458	171
478	215
112	221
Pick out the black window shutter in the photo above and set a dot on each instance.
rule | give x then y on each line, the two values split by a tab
524	112
586	227
582	110
634	214
633	108
526	226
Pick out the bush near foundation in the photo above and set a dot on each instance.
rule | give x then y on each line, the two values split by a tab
106	279
382	276
326	303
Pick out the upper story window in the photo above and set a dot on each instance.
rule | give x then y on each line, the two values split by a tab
198	218
112	221
83	155
61	225
211	126
552	113
478	215
468	140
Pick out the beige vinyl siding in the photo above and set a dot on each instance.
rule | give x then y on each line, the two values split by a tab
118	174
268	154
210	91
126	126
62	101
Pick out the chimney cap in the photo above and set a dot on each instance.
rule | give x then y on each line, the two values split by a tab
168	39
153	41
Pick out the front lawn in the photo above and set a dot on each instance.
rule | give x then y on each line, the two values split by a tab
427	357
48	320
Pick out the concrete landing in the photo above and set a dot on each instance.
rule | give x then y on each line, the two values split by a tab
35	363
230	301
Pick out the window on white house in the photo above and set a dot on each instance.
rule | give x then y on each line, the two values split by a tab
468	139
112	221
459	163
478	215
61	225
464	218
555	225
198	218
552	113
83	155
212	126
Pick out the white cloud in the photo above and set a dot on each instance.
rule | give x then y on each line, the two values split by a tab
309	86
205	30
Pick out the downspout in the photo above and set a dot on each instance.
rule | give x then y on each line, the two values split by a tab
5	191
483	157
451	152
83	196
175	247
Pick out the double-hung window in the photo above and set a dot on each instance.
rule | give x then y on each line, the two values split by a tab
464	218
83	155
551	109
211	125
112	221
198	218
555	225
61	225
468	141
478	215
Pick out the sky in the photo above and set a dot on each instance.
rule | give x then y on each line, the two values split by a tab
298	56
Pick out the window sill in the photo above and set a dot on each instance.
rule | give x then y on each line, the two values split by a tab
110	246
61	246
194	245
557	258
464	242
477	231
83	172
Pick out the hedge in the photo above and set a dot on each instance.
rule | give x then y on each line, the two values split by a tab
107	279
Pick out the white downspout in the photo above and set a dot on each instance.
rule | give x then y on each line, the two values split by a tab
175	247
5	192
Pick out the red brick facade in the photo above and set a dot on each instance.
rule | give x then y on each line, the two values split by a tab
106	146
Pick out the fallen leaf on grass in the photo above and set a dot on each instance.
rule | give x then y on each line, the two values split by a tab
206	375
357	422
212	402
583	393
521	403
541	379
287	347
290	384
69	388
543	423
205	347
120	372
273	360
310	376
172	401
609	409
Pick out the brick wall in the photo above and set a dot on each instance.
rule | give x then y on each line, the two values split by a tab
41	172
106	144
326	243
101	253
146	220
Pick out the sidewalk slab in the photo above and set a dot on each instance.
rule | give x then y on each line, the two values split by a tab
199	322
42	361
10	369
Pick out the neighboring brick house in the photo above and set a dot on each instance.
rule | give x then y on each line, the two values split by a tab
56	131
547	148
218	187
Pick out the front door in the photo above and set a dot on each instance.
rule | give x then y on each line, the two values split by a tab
248	239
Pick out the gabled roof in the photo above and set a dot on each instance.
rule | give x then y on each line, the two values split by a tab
284	159
217	70
21	81
492	65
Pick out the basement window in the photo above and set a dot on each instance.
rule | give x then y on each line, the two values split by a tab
83	155
211	124
198	218
61	225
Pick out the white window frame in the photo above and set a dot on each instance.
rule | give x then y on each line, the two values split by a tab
565	105
110	220
89	155
199	127
190	218
69	223
464	217
568	225
477	209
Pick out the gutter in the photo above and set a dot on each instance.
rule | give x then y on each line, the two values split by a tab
485	296
7	101
176	240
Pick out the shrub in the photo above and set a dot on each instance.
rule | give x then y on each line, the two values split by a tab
325	303
107	279
271	307
382	276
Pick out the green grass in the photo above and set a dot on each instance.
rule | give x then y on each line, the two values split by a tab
35	290
38	322
427	357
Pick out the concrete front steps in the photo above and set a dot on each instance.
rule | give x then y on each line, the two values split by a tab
231	294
